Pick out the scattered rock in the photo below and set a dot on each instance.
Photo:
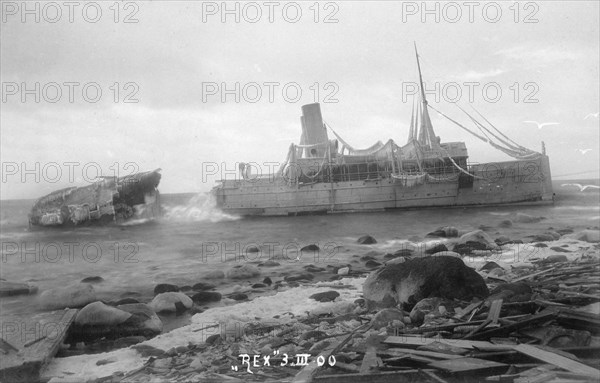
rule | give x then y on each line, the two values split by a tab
326	296
206	296
404	253
366	240
545	237
243	272
95	279
239	297
502	240
478	237
214	339
299	277
267	281
489	266
592	236
371	264
447	253
540	244
313	334
314	269
385	317
343	271
252	249
201	286
554	258
431	308
259	286
73	296
164	288
418	278
505	223
436	249
311	247
167	302
124	301
446	231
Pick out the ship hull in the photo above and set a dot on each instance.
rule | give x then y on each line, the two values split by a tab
498	183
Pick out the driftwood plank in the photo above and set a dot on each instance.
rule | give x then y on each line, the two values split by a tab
37	340
410	376
428	354
468	364
558	360
369	360
401	341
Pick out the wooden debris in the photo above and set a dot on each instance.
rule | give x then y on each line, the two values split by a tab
558	360
36	341
469	365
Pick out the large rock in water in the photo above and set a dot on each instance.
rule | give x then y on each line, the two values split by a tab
98	313
418	278
77	295
243	272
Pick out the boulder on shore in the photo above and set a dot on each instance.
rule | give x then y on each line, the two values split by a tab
366	240
243	272
77	295
167	302
409	282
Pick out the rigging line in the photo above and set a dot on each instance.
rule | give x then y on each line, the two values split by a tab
475	122
492	125
467	129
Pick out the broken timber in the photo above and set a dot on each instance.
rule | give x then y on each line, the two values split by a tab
558	360
35	342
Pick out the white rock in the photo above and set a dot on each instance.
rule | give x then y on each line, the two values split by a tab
98	313
166	301
344	271
77	295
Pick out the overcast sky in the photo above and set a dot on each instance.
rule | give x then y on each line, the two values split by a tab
178	56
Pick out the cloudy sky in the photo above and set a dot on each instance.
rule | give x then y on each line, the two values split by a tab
181	61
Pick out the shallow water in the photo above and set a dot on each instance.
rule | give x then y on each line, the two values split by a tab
194	238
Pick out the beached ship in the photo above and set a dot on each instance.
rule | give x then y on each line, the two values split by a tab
110	199
323	175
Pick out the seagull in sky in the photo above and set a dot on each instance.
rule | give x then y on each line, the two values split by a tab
540	126
583	151
594	115
581	187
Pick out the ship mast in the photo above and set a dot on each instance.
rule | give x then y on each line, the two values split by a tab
426	135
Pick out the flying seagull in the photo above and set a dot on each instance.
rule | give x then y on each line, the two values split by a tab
595	115
584	151
581	187
540	126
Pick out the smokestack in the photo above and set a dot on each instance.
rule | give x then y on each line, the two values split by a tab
314	130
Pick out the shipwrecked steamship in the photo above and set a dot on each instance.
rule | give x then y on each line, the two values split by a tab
109	200
323	175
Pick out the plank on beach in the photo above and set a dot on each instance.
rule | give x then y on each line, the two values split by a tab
558	360
403	341
37	340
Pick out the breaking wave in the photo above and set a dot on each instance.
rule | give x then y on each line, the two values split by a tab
200	208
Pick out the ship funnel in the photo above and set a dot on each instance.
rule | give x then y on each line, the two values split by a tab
313	130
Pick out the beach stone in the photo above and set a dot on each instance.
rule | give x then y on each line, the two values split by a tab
15	288
505	223
216	274
164	288
259	286
97	313
269	264
436	249
502	240
554	258
404	253
372	264
385	317
252	249
167	302
592	236
147	351
366	240
243	272
201	286
327	296
299	277
540	245
313	334
447	253
311	247
446	231
418	278
395	260
206	296
491	265
314	269
239	297
343	271
143	318
95	279
72	296
124	301
479	237
431	308
267	281
526	218
543	238
497	272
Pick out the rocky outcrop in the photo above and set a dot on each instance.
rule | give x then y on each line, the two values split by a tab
409	282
